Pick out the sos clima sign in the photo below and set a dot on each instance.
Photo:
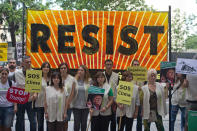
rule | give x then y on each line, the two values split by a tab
91	37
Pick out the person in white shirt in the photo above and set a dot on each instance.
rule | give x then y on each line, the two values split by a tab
179	100
69	83
39	102
111	79
128	112
55	105
191	93
7	109
154	105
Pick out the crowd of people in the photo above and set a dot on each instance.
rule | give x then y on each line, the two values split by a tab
63	94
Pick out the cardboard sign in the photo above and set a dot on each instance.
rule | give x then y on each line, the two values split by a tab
17	95
139	73
3	51
95	97
33	81
186	66
125	92
90	37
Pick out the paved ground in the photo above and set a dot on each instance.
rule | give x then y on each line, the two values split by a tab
153	127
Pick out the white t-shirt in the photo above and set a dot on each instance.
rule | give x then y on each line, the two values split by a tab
3	92
55	103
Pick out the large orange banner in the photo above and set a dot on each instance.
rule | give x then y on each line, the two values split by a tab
91	37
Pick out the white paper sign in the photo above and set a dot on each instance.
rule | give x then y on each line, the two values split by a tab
186	66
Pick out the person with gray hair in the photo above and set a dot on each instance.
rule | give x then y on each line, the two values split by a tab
191	93
154	105
20	83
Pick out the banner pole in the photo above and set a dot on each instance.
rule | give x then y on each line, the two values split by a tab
170	88
23	30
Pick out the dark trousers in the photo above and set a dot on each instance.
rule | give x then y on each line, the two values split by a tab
80	119
100	123
55	126
139	120
113	122
40	118
20	126
125	122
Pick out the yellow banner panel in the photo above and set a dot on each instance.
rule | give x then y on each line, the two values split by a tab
3	51
139	73
90	37
125	92
33	81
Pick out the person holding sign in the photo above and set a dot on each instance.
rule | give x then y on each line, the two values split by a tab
20	76
55	105
68	82
126	113
80	91
39	102
7	109
154	105
101	118
179	100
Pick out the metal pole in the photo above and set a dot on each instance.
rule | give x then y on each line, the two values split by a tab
23	30
170	88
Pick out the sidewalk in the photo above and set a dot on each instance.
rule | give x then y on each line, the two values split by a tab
153	126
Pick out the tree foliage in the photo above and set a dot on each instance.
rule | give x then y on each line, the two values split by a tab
11	12
179	31
119	5
191	42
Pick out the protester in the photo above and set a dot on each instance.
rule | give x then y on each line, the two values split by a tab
112	79
191	92
39	102
179	100
20	83
154	105
68	82
128	112
7	109
55	105
11	68
101	118
80	110
139	84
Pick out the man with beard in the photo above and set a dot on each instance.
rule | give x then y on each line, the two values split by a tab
11	68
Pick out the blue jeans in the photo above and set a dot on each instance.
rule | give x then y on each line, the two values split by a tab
174	111
40	118
20	126
6	116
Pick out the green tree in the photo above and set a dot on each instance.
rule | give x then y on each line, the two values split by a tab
11	12
191	42
103	5
179	31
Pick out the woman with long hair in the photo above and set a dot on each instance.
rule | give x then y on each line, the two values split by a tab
100	118
128	112
69	82
154	105
7	109
39	102
55	105
79	98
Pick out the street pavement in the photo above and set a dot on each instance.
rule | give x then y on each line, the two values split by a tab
153	126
